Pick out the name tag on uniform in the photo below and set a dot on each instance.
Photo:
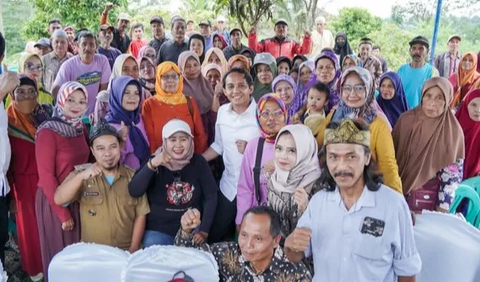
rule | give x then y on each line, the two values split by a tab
91	193
373	226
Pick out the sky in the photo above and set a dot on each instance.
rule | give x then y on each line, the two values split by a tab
378	8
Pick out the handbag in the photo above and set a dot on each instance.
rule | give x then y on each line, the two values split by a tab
425	198
185	278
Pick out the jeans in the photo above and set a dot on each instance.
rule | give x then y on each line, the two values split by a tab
151	238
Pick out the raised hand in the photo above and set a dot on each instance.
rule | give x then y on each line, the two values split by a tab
301	199
190	220
299	240
160	158
92	171
8	82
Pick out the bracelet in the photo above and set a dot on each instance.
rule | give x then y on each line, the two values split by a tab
151	166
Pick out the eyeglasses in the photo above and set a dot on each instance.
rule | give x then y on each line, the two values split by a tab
32	67
358	89
276	114
171	76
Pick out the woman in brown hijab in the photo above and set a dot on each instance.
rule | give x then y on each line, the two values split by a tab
429	146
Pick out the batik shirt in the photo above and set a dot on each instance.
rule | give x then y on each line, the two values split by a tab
233	267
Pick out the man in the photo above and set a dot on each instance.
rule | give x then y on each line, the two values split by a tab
71	39
376	51
206	32
138	41
170	50
8	81
52	61
236	125
158	32
322	38
106	36
356	228
236	47
415	74
90	69
43	47
222	28
280	45
256	257
447	63
108	214
121	40
190	28
54	25
369	61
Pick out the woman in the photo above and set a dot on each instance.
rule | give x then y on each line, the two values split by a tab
216	56
430	149
124	105
101	108
284	65
265	68
175	180
147	74
126	64
342	47
252	184
196	44
239	61
298	60
392	98
61	144
358	101
219	42
349	61
305	71
197	87
296	170
213	74
147	51
24	117
249	54
467	78
284	86
468	116
168	103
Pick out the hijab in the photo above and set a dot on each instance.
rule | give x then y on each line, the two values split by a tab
60	123
426	145
176	98
396	106
177	125
210	67
101	107
143	50
263	59
236	58
465	78
21	67
352	57
148	84
118	114
471	130
270	138
199	37
289	79
220	36
198	88
343	49
221	56
307	167
118	66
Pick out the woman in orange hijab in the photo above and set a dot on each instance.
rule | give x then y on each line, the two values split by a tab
466	79
169	103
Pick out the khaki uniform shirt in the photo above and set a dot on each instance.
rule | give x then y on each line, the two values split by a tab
51	66
107	213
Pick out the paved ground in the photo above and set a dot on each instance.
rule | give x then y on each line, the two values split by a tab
12	263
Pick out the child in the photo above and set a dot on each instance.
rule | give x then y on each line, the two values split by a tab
313	112
138	42
284	65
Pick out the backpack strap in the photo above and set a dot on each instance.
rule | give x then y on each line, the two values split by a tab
257	169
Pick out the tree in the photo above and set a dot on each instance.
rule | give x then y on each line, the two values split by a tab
356	23
19	11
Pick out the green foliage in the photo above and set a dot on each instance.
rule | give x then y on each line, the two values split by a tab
356	23
15	14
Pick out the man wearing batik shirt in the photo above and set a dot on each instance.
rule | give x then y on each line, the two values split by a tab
356	228
369	61
256	257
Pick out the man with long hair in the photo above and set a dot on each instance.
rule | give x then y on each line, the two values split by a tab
356	228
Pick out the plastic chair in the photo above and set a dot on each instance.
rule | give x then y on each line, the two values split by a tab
473	182
466	192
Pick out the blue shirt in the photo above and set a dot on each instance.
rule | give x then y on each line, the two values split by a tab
208	43
341	252
413	80
109	179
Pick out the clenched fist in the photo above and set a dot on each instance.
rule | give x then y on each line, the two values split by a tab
299	240
190	220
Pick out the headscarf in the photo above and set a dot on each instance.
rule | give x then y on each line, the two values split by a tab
143	50
282	59
145	82
465	78
289	79
118	114
352	57
220	55
118	66
370	109
307	168
240	58
176	98
21	66
425	145
471	130
396	106
201	38
210	67
198	88
63	125
342	49
270	138
220	36
307	64
101	107
263	59
178	164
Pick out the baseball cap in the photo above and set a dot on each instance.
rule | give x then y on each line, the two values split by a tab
174	126
190	21
43	42
420	40
106	26
124	16
157	19
235	29
204	22
221	19
456	36
281	21
69	28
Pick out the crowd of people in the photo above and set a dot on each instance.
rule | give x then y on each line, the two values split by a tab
287	161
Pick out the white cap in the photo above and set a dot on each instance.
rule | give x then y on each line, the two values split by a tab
221	19
320	20
124	16
174	126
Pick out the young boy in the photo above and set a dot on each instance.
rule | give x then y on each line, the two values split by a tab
313	113
137	39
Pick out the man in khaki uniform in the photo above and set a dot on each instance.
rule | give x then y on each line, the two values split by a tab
108	214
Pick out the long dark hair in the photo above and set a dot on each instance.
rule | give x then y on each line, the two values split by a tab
371	175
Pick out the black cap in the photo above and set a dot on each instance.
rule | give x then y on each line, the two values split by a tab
157	19
235	29
365	40
205	22
420	40
103	128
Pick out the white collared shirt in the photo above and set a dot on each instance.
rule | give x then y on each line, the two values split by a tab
341	252
5	151
230	128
